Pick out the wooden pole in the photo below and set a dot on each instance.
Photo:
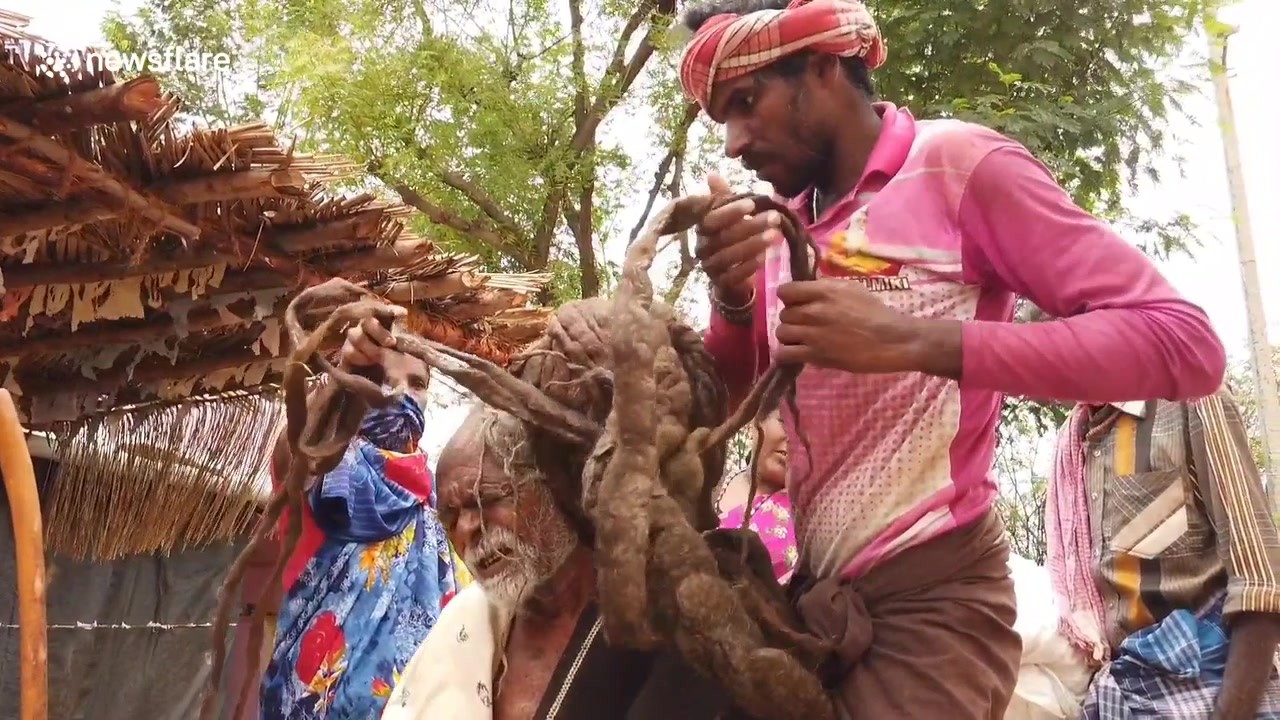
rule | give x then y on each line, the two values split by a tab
205	188
28	543
1264	369
135	100
93	175
336	233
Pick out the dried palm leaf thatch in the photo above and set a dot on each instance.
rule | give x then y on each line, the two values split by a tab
162	478
132	244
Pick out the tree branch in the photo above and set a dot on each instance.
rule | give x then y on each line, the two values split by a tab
614	84
554	204
479	231
423	17
579	64
581	224
583	234
481	199
615	67
687	261
504	236
679	142
473	192
618	77
551	209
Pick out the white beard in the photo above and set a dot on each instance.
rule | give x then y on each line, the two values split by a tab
526	570
510	589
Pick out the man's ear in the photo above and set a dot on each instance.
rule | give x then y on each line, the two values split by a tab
824	68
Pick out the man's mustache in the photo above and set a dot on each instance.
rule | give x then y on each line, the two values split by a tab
755	162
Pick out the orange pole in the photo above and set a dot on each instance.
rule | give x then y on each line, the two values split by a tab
28	543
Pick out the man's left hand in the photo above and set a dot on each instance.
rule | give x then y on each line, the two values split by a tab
838	323
1250	660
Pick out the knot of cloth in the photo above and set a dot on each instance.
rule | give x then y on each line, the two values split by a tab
834	612
729	46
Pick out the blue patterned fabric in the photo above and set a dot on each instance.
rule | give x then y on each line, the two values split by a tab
347	505
374	573
1173	669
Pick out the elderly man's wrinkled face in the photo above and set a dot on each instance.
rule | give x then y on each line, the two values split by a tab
496	509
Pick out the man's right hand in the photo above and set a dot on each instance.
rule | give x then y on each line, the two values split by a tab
365	344
731	244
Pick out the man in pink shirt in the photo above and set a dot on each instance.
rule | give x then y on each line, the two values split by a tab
928	230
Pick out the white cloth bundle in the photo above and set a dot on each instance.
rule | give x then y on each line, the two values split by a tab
1053	678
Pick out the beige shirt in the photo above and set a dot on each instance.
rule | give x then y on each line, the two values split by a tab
1178	512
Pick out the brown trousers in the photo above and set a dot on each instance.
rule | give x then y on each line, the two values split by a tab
928	635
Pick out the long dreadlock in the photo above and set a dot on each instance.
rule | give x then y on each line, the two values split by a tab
627	419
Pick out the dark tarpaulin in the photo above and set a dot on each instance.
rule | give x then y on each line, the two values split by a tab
118	674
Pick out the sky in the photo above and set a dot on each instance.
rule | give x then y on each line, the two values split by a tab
1211	279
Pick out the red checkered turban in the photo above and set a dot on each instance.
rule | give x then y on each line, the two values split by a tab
729	46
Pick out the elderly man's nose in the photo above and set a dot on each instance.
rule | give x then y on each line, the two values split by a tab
469	523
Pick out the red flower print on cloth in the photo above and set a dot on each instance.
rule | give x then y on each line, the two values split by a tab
382	688
323	647
367	595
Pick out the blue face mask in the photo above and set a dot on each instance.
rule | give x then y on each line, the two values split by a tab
396	427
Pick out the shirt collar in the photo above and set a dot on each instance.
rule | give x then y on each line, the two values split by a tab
1136	408
897	135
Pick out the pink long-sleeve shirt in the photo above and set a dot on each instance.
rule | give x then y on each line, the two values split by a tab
953	220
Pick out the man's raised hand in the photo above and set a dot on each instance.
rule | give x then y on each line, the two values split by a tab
731	244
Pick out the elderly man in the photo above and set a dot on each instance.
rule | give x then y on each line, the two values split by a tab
927	231
1165	558
524	642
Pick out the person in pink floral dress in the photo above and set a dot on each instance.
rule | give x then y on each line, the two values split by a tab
771	509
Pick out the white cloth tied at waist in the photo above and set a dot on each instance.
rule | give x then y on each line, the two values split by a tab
1053	678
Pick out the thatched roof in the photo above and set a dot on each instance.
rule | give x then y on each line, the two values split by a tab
143	261
145	265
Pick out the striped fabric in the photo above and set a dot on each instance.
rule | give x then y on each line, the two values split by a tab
729	46
1172	670
1178	512
1069	536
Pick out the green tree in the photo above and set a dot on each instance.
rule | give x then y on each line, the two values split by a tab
491	117
1240	381
1087	87
212	26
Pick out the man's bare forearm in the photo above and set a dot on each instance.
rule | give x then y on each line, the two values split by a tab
1249	664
